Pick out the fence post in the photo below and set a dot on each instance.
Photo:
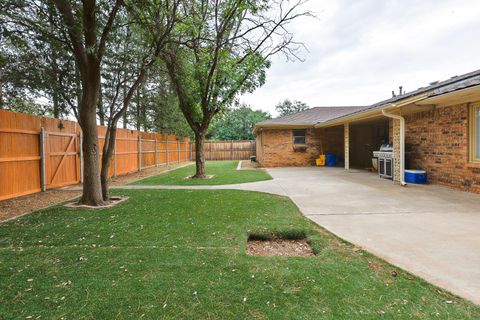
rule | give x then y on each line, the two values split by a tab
115	157
139	152
43	184
191	150
231	150
166	149
185	144
178	150
156	152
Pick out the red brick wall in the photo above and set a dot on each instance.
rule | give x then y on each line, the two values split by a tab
439	144
277	148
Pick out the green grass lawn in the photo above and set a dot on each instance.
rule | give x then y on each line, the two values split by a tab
180	254
224	172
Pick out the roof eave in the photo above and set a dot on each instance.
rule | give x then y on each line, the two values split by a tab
282	126
376	111
462	95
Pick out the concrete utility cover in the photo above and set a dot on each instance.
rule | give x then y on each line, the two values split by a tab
431	231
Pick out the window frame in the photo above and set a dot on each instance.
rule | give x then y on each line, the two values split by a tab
297	136
474	108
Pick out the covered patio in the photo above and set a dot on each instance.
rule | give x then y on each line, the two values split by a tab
354	142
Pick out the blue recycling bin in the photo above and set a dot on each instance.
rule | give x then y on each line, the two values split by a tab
331	160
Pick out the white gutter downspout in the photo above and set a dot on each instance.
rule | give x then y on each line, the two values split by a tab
402	143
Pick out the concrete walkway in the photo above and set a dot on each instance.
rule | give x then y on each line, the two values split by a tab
431	231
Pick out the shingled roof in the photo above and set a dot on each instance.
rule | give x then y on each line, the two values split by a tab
311	116
434	89
319	115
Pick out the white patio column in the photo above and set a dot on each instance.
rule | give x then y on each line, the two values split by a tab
346	143
396	150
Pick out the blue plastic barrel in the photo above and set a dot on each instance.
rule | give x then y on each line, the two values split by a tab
331	160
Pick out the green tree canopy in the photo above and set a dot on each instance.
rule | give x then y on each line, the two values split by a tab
288	107
237	123
221	49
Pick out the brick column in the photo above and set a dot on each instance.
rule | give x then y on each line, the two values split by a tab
346	144
396	150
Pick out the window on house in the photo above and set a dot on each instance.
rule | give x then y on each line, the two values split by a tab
299	136
475	150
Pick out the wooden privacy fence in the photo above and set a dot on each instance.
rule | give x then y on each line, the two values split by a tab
38	153
229	150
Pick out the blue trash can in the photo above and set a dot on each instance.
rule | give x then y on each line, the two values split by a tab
331	160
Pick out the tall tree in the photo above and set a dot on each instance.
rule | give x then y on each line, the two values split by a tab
88	26
100	50
287	107
237	123
221	49
80	30
135	55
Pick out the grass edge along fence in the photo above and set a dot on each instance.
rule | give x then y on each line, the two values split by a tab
40	153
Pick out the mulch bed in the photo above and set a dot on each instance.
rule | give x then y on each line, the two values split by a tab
207	177
113	201
280	247
16	207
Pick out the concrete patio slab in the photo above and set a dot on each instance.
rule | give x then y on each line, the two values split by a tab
431	231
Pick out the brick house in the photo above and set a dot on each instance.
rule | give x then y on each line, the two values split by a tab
435	128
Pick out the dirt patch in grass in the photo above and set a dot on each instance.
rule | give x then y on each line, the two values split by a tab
280	247
376	266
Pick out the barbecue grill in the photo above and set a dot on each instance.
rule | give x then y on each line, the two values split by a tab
385	161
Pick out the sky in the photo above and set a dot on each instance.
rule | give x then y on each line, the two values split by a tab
359	51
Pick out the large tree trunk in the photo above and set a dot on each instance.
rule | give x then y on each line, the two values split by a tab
92	187
199	157
92	191
108	149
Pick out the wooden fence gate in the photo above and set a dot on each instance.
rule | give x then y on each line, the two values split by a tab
62	159
38	153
